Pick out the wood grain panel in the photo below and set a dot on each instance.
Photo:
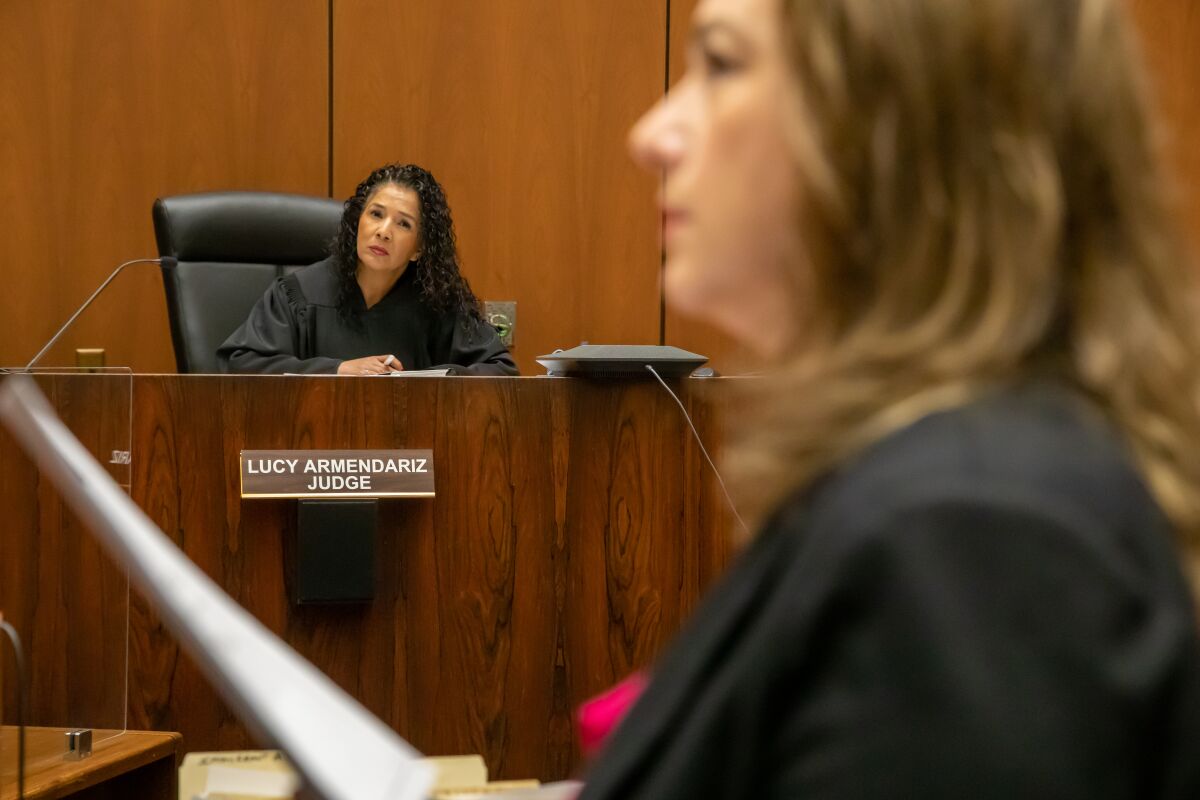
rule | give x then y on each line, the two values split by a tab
520	108
65	598
575	527
1170	32
699	337
109	105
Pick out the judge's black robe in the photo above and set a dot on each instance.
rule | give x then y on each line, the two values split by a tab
986	604
296	327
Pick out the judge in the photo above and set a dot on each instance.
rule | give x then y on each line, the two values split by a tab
389	298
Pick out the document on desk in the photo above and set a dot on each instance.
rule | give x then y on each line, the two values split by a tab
404	373
264	774
340	749
415	373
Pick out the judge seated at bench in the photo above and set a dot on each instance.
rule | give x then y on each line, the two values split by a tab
389	298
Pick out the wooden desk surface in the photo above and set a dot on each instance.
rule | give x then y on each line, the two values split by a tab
49	776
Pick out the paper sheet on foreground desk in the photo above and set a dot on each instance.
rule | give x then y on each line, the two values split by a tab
466	778
342	750
453	772
267	775
564	790
249	774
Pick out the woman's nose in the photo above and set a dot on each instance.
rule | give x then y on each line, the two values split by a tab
384	231
658	141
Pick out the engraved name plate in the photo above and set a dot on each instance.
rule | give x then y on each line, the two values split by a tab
315	474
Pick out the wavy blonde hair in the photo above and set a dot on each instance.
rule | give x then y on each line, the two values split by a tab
982	200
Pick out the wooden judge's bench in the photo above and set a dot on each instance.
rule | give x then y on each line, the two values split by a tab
575	526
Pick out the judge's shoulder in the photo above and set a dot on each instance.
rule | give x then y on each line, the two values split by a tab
318	282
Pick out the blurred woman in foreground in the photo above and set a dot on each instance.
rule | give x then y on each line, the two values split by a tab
976	471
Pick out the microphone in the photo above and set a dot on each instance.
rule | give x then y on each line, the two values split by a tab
165	261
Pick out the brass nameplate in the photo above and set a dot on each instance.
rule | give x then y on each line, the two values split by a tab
314	474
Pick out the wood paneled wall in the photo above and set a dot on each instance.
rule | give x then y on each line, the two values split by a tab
520	109
1170	31
106	106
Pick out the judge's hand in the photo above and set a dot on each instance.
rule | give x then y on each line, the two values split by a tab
371	365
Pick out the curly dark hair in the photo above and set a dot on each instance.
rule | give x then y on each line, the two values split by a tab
437	269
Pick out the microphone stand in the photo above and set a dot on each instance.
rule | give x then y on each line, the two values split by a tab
87	303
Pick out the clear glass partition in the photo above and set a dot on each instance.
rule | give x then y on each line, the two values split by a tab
58	589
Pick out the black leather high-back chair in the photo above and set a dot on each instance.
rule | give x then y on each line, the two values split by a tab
228	247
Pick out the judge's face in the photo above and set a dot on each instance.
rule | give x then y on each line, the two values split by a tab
389	229
728	194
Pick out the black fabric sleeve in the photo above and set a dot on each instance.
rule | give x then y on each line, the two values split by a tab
971	648
268	341
475	349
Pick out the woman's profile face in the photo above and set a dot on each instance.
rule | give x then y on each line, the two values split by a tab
389	229
728	196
